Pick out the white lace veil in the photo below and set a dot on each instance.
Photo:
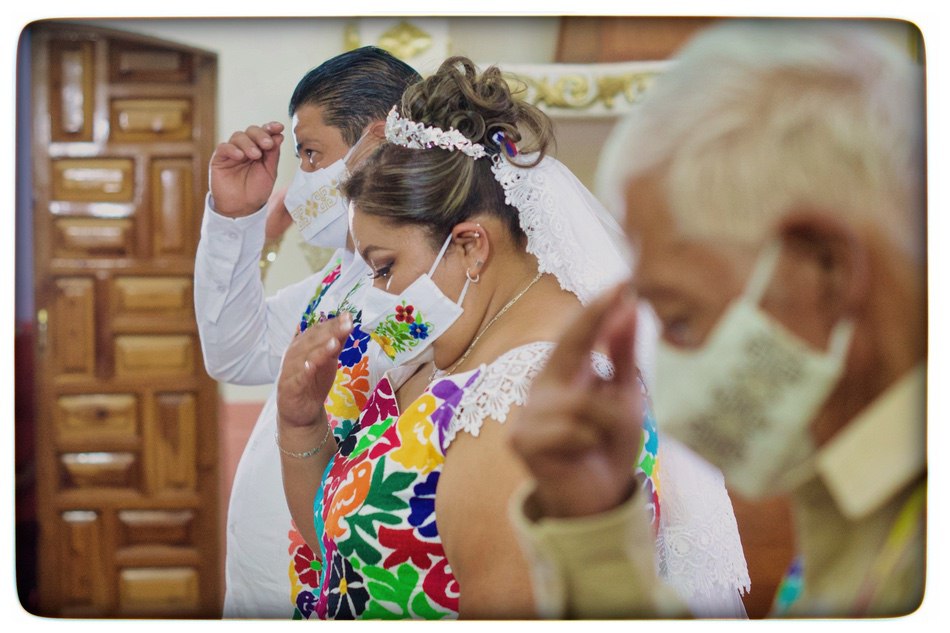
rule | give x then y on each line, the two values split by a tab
575	238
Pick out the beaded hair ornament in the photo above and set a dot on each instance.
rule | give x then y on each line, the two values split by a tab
407	133
570	233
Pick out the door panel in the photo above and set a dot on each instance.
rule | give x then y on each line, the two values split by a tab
127	472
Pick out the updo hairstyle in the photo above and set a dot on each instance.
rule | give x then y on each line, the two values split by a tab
438	188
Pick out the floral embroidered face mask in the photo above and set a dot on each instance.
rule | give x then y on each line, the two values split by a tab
406	324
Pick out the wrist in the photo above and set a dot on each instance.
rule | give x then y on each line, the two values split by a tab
234	211
301	441
552	501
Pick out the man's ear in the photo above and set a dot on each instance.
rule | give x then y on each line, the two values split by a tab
826	261
377	129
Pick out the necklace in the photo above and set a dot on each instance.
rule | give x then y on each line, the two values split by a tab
440	372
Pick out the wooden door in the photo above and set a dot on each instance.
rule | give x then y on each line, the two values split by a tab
123	129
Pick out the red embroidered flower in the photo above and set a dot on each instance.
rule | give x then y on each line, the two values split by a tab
404	313
307	566
441	586
407	545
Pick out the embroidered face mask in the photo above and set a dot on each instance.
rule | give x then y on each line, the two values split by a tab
316	205
744	401
406	324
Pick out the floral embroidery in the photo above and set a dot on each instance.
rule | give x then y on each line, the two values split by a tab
310	314
304	572
347	397
423	506
390	538
647	464
349	392
355	347
419	330
440	584
417	452
347	594
348	497
401	330
404	313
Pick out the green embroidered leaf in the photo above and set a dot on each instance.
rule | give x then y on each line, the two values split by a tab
422	608
395	590
372	434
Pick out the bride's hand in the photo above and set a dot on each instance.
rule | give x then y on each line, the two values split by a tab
579	434
308	370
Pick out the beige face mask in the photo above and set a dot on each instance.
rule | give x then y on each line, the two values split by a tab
745	400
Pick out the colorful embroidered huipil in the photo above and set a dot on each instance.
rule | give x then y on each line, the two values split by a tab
347	397
375	514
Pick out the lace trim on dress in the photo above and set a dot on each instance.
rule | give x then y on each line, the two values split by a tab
504	384
699	552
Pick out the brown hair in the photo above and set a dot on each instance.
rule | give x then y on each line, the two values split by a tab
438	188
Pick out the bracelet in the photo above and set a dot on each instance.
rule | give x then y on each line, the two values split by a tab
305	454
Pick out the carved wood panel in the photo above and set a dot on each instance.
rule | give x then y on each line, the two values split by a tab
127	480
172	204
74	327
82	535
150	119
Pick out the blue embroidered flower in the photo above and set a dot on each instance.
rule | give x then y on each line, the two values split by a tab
419	330
422	505
355	347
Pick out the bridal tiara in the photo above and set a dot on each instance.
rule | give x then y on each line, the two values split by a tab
400	131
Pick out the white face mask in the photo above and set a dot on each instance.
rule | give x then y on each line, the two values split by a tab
316	206
745	400
406	324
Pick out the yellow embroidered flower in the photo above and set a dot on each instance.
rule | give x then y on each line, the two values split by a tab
349	392
417	433
386	343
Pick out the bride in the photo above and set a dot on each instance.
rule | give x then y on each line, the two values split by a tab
482	249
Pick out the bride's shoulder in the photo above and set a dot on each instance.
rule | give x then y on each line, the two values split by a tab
494	388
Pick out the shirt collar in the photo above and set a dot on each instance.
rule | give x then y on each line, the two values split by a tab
881	451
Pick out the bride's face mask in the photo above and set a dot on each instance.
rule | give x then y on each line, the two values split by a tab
314	202
407	323
746	398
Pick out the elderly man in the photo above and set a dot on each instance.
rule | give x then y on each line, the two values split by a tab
774	183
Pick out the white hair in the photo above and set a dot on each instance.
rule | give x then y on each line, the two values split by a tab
758	117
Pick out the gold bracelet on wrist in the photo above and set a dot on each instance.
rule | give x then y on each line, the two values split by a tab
305	454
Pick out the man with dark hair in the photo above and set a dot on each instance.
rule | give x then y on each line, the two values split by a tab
338	112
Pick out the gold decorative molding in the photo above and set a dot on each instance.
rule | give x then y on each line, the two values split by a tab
405	40
583	90
422	42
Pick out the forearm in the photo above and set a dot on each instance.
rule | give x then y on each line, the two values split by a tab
302	472
595	567
243	335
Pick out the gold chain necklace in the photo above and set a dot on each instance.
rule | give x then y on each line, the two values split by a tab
484	329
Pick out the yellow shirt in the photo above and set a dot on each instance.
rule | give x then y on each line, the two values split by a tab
603	566
864	478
